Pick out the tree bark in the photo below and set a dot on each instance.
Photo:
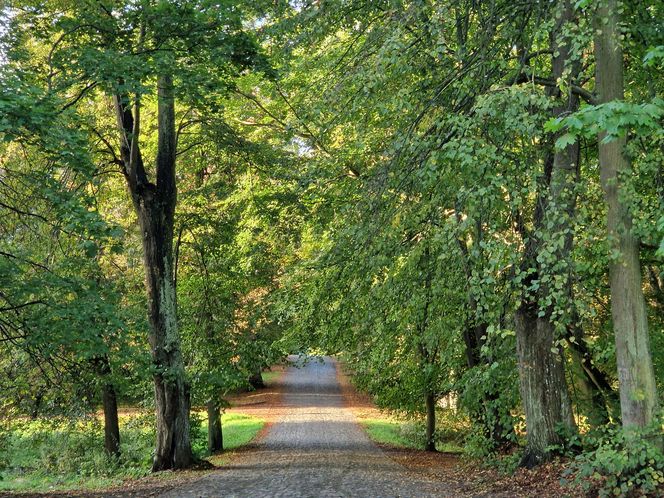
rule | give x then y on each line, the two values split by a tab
111	425
430	402
542	384
215	434
638	394
109	402
427	356
155	206
543	387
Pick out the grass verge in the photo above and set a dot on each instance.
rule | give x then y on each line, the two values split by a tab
386	431
239	429
60	454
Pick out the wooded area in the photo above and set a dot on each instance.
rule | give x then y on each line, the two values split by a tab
464	199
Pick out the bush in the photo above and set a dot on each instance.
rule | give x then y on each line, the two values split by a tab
69	449
621	464
62	453
197	434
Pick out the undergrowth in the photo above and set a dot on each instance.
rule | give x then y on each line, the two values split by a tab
61	453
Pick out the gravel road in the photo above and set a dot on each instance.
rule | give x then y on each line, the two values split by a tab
315	449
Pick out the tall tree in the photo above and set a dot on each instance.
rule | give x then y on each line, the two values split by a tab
126	49
544	389
638	393
154	203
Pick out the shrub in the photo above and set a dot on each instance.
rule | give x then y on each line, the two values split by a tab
621	464
197	434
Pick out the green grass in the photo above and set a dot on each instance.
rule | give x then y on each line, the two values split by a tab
402	434
270	376
387	431
61	454
238	429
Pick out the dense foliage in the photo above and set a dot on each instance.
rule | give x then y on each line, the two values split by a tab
463	199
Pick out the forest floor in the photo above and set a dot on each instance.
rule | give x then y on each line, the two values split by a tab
312	445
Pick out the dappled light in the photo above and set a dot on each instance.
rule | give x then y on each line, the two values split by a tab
332	248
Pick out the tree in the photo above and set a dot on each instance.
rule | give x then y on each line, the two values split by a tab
126	51
546	263
155	207
638	393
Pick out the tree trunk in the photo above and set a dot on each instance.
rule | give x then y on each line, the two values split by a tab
102	367
173	449
155	206
36	405
543	387
638	394
542	383
215	434
430	401
427	356
256	379
111	425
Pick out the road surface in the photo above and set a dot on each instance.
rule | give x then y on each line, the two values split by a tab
315	449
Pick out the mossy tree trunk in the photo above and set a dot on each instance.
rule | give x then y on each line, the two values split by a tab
155	206
543	386
638	393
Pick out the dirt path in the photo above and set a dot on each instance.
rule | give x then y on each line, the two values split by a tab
313	448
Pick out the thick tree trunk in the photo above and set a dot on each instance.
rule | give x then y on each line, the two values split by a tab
638	394
173	449
543	387
111	425
157	219
430	402
215	434
542	383
155	207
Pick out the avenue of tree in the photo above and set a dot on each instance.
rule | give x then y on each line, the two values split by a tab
464	199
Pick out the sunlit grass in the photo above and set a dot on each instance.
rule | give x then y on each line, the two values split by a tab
402	434
238	429
60	454
386	431
270	376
